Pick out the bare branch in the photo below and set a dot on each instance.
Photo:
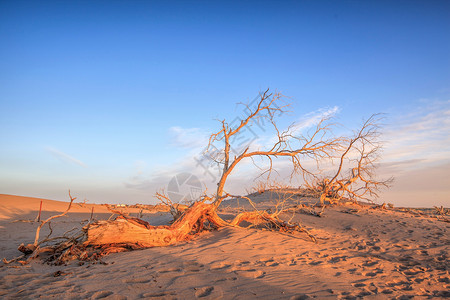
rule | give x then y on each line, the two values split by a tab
36	239
288	144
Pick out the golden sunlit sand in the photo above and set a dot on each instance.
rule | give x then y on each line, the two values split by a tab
318	240
361	251
235	150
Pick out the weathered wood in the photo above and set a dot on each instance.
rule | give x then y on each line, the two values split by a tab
137	233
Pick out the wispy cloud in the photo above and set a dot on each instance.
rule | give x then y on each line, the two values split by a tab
313	118
188	137
300	127
421	136
64	157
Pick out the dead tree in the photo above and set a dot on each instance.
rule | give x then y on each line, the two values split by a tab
357	155
319	146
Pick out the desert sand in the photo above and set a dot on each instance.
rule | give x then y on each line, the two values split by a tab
361	252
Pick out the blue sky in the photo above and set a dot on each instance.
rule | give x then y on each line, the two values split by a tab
105	96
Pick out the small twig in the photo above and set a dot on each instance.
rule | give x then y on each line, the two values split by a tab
117	212
5	261
51	230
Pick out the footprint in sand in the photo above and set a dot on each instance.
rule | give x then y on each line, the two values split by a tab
221	265
233	278
374	273
158	295
101	294
147	266
359	284
396	282
192	266
267	262
337	259
169	270
377	248
138	280
370	263
387	291
300	297
252	273
204	291
241	263
419	280
408	287
412	272
364	292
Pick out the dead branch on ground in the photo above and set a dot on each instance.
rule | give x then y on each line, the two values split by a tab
175	209
36	239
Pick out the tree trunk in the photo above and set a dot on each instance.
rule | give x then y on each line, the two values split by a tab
133	231
136	233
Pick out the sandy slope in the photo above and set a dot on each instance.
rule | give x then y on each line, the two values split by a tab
371	254
17	206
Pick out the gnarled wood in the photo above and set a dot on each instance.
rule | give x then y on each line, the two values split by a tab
136	233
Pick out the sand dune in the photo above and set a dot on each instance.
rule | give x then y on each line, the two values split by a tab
368	254
11	206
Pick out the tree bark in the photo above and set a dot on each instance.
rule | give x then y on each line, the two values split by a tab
137	233
133	231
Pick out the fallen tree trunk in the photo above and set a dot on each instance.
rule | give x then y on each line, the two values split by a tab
133	231
125	233
136	233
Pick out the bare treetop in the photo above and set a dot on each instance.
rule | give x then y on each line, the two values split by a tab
319	145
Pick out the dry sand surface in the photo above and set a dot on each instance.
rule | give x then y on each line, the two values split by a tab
372	253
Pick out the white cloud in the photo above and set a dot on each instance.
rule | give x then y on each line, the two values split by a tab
421	134
64	157
300	127
313	118
188	137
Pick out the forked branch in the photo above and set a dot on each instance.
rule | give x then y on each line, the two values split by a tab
36	239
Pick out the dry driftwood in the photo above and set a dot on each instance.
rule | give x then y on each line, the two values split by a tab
137	233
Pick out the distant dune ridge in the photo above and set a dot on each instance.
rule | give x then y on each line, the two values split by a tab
17	205
361	252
